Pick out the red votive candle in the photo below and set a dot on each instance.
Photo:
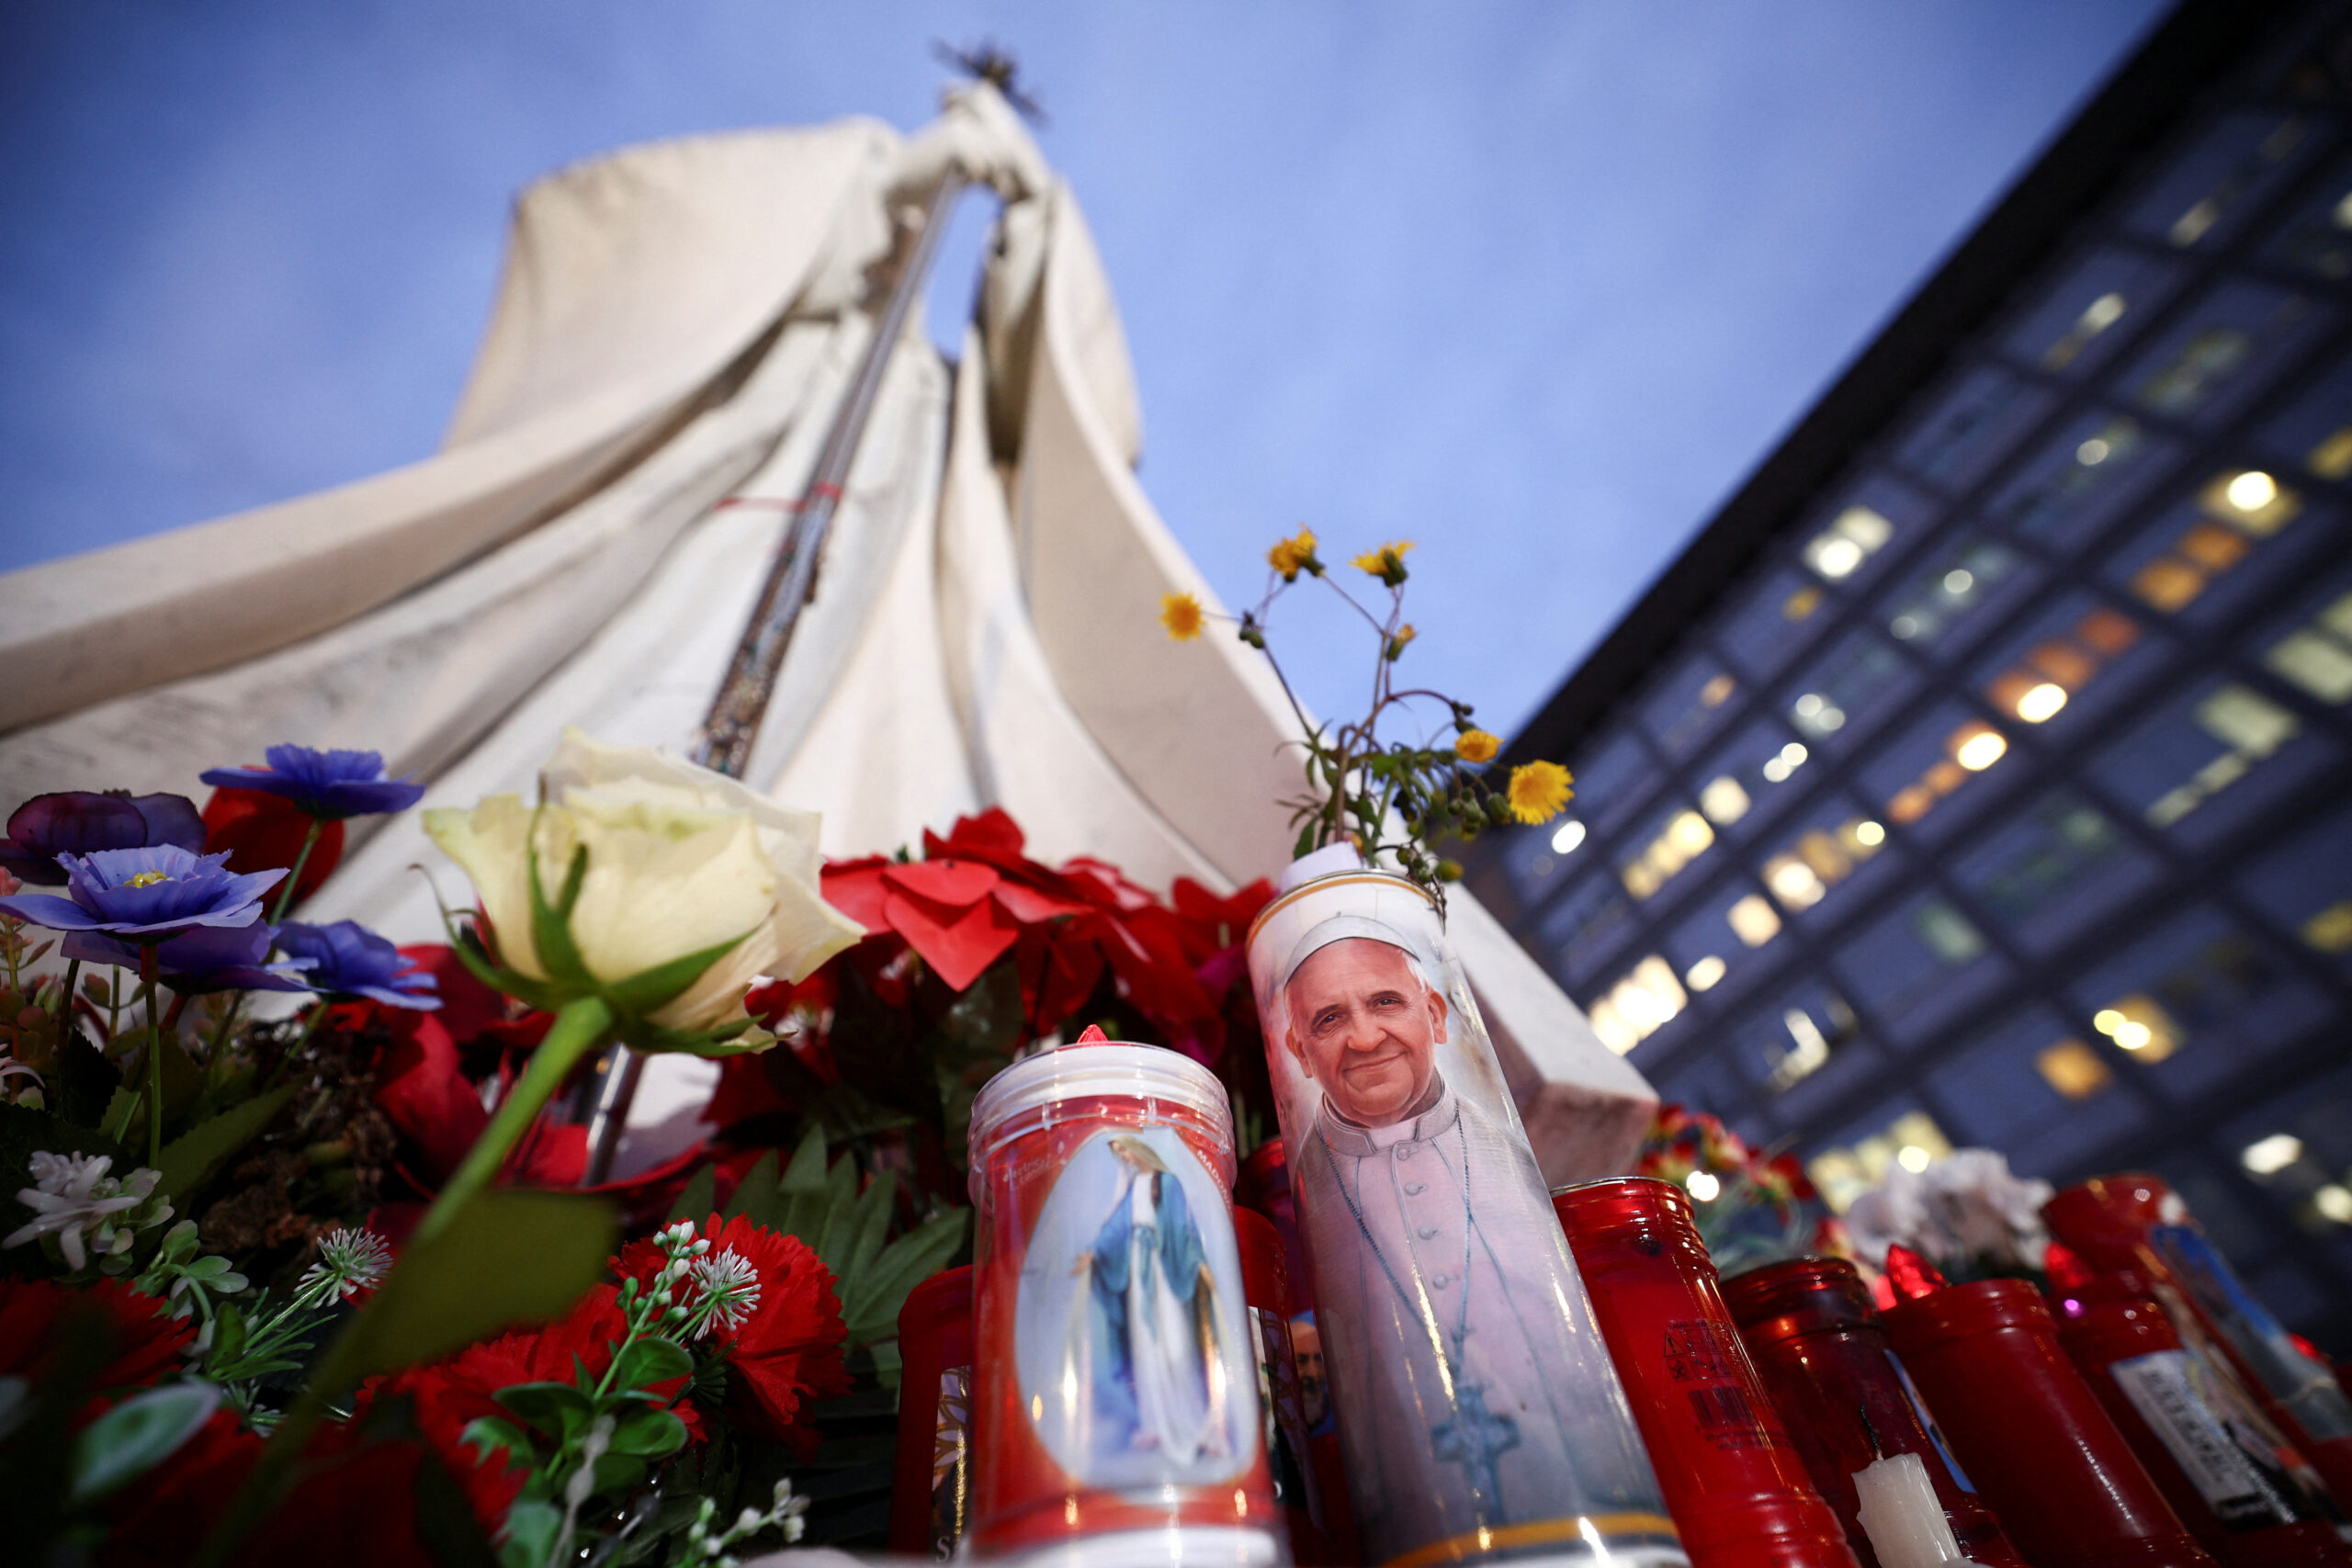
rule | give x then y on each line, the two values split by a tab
1265	1186
1737	1490
2135	1222
1809	1326
930	1482
1114	1384
2031	1435
2230	1475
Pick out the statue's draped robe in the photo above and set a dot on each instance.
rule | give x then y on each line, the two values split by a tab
675	327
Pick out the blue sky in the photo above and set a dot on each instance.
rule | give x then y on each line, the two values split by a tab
1533	286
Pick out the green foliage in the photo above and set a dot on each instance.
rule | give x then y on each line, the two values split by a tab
191	1159
136	1436
507	1258
820	1204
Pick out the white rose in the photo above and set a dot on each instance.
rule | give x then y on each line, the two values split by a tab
679	859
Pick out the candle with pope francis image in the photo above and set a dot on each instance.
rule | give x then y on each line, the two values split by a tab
1479	1414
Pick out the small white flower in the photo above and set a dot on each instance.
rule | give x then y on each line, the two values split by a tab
72	1193
349	1261
730	1290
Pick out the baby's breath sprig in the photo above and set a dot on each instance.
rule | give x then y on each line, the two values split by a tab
1362	789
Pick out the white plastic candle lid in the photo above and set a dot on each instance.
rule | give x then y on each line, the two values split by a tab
1085	1071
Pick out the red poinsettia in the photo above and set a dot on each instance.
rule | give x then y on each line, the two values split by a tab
787	1351
146	1342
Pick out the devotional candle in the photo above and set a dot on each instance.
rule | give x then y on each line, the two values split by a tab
1479	1414
1115	1386
1738	1491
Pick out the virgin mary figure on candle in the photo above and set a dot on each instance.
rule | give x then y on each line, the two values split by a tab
1148	1316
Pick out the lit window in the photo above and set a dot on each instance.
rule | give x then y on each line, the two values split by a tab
1723	800
2040	702
1845	544
2138	1025
1808	1053
1566	837
2098	316
2205	361
1703	975
2318	657
1715	693
2330	930
2334	1201
1684	838
1790	758
2331	458
2074	1070
1914	1158
2268	1157
1842	1174
2250	500
1869	835
1753	921
1703	1185
1802	604
1977	746
1796	884
1637	1006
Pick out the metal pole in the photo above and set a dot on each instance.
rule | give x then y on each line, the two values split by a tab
732	727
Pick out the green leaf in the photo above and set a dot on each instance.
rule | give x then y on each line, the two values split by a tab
532	1528
558	1409
651	1360
617	1471
755	1194
189	1160
872	1297
551	924
138	1434
227	1334
699	1200
489	1434
649	991
507	1258
869	1223
649	1434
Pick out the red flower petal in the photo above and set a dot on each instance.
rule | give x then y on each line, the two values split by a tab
265	832
958	944
956	883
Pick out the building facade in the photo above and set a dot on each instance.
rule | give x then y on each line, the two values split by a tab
1982	775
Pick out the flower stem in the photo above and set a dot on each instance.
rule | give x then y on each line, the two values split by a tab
294	877
581	1025
154	1058
579	1028
65	996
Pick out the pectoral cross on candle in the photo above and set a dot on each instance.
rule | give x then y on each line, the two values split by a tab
1475	1439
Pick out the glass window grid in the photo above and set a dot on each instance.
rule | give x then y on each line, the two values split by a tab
1800	953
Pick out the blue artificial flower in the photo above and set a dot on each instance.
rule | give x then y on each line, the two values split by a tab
146	896
199	962
324	784
78	821
347	959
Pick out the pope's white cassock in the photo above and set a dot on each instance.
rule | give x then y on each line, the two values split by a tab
674	332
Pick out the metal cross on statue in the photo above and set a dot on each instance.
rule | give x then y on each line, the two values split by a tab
1475	1439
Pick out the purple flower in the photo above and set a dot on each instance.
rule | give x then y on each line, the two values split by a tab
324	784
146	896
347	959
78	821
206	959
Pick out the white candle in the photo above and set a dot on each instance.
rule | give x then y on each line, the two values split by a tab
1900	1514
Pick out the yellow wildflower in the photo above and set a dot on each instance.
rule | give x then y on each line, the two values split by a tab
1387	563
1538	791
1181	614
1291	556
1476	746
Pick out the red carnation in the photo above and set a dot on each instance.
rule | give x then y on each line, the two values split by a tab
146	1343
788	1350
448	1395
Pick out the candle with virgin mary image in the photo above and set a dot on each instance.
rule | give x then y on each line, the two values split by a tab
1479	1414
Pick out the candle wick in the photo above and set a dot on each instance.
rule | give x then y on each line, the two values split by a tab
1878	1450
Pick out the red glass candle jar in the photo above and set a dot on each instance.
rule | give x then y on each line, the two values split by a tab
2232	1477
2135	1222
931	1485
1739	1493
2031	1435
1265	1186
1265	1280
1816	1339
1116	1393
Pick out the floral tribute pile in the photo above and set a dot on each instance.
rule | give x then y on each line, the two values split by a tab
1752	1207
323	1282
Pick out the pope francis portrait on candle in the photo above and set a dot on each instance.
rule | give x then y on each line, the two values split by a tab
1437	1259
